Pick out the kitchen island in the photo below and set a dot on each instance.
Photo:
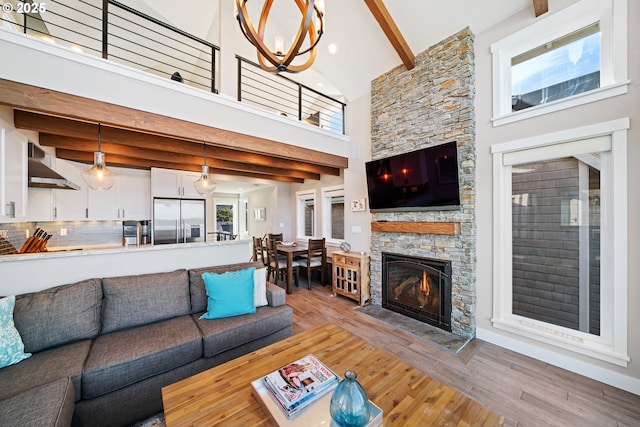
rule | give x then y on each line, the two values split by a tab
25	273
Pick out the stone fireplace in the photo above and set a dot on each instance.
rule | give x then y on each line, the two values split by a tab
417	287
430	104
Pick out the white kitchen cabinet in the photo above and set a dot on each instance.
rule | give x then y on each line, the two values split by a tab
174	183
135	194
13	173
70	205
40	205
105	205
129	198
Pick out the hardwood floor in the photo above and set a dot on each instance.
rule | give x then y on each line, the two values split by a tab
526	391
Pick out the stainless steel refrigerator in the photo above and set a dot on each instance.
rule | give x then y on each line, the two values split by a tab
178	221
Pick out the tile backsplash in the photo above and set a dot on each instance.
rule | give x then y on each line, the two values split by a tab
78	233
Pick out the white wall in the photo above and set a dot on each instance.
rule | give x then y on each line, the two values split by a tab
487	135
34	272
358	224
263	198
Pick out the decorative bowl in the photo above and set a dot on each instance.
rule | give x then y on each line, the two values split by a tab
288	244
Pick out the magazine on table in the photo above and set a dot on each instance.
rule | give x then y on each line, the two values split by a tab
299	382
291	413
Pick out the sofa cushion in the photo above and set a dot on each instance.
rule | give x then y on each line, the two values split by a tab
230	332
44	367
59	315
11	346
146	298
50	404
229	294
260	287
196	284
122	358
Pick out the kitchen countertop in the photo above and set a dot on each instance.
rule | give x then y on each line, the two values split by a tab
75	251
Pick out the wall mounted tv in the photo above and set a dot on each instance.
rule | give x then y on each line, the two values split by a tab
425	179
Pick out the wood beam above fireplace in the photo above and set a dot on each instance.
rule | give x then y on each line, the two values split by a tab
447	228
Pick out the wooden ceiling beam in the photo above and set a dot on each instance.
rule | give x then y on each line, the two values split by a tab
540	7
163	157
130	162
58	126
36	99
391	30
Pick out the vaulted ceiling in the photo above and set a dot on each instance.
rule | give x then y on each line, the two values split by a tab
137	139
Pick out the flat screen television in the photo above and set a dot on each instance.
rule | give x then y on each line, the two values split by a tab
425	179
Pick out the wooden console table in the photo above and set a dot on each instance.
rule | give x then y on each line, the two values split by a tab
350	276
222	395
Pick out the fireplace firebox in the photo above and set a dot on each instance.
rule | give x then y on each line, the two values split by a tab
418	287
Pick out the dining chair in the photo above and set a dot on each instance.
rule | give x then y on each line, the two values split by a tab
258	251
277	265
275	236
316	259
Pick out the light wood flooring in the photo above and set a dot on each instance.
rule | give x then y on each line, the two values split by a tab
526	391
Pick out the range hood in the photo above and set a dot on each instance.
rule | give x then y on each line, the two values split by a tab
41	175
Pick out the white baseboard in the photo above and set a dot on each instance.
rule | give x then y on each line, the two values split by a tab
577	366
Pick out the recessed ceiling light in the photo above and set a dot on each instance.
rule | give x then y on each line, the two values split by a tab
333	48
319	84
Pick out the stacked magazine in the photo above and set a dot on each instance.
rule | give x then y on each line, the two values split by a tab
299	384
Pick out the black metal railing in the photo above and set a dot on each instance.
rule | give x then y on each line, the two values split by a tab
124	35
287	97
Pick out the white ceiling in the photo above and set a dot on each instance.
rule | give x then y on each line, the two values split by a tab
364	52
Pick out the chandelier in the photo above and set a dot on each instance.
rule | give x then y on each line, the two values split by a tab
311	24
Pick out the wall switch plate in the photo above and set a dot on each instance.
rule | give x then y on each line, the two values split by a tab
63	231
4	233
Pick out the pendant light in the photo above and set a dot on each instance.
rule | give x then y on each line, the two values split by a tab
98	177
204	185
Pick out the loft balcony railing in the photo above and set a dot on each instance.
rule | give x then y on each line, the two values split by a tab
122	34
288	98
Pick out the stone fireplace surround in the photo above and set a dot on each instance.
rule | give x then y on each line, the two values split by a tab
410	109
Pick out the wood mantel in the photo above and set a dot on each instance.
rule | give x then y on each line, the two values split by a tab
447	228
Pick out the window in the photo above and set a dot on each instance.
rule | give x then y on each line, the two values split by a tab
226	211
306	213
560	203
561	68
575	56
333	213
243	222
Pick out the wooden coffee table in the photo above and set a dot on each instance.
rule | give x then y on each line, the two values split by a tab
222	395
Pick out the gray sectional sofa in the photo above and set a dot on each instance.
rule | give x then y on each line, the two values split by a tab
102	349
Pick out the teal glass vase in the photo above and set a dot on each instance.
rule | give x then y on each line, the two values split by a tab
349	403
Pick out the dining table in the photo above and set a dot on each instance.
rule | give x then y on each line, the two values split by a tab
291	251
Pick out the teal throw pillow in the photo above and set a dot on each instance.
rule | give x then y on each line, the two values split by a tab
11	346
229	294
